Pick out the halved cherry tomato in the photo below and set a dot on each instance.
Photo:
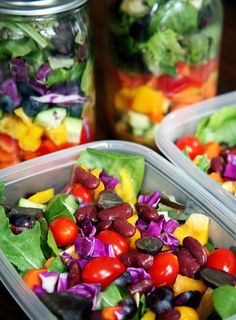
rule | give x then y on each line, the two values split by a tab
82	193
64	231
7	143
191	144
102	270
119	243
165	269
222	259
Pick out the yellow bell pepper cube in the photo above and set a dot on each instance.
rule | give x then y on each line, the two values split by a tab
125	188
133	239
205	307
123	98
23	116
57	135
28	144
197	226
149	315
13	126
183	284
42	196
187	313
146	100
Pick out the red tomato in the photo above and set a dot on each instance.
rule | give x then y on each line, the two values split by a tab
165	269
102	270
119	243
64	230
191	144
222	259
84	137
82	193
8	144
47	146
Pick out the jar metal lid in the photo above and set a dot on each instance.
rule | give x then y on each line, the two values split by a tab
38	7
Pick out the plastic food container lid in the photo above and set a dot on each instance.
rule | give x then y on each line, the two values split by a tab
184	122
55	169
38	7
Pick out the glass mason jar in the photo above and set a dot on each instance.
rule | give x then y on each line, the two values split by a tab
47	91
163	55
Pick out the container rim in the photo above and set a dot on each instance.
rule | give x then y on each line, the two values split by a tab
38	7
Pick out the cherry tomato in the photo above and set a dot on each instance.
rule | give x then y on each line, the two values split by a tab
165	269
191	144
102	270
119	243
82	193
84	136
64	231
222	259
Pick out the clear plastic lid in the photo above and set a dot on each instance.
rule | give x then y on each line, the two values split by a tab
184	122
54	171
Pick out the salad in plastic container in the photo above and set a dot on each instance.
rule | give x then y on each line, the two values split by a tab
163	55
116	236
46	78
201	141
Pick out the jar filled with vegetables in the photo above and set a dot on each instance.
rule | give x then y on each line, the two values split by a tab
163	55
46	78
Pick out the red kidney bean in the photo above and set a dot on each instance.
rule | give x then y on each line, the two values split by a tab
218	165
104	225
146	212
123	227
170	315
188	265
124	210
74	274
137	259
141	287
196	250
86	178
86	210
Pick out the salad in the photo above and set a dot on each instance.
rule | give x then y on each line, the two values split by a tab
163	56
46	85
103	249
213	147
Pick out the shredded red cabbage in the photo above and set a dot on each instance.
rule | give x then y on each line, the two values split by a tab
150	199
9	87
109	181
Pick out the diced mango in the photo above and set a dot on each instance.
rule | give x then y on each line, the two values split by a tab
183	284
58	135
197	226
42	196
27	143
13	126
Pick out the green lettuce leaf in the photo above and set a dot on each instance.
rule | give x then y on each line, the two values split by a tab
57	265
112	162
162	52
16	48
224	299
32	33
219	127
112	296
48	243
61	205
177	15
22	250
203	163
87	78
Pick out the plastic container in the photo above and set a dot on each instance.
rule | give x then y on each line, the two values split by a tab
55	169
184	122
162	55
47	93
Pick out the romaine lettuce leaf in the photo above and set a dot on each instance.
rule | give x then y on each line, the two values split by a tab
162	52
219	127
2	198
113	162
22	250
